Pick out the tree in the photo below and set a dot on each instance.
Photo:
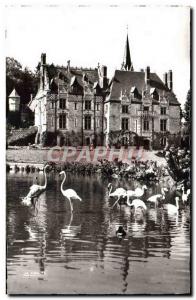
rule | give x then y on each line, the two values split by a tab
24	81
187	107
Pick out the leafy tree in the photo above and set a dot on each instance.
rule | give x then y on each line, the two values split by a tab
24	81
187	107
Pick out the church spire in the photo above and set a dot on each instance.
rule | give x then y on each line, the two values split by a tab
127	64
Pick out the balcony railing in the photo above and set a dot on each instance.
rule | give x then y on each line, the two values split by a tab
145	114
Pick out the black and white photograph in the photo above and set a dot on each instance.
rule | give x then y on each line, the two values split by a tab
98	149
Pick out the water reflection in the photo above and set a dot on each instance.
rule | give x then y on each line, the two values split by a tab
57	246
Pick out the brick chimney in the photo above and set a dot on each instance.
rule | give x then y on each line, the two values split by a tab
165	79
42	70
68	66
104	75
170	80
147	75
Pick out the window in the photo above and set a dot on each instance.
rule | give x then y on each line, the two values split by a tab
62	121
125	124
87	123
146	125
98	123
98	106
146	108
125	109
52	104
62	103
75	122
52	121
163	125
75	105
87	104
163	141
163	110
136	126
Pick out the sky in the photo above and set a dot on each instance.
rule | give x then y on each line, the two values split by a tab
159	37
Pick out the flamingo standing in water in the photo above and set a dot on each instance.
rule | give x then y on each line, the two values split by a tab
35	191
137	203
172	208
119	192
69	193
155	198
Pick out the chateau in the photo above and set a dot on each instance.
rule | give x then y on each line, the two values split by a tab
80	106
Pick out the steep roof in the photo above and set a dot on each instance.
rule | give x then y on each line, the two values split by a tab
14	94
127	80
90	74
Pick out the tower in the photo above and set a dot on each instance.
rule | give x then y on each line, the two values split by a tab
127	64
14	101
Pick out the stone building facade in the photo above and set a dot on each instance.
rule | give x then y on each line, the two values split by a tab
79	106
69	108
140	108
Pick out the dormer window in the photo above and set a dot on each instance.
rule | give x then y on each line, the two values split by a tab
154	94
135	93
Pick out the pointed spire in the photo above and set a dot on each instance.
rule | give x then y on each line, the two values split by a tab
127	64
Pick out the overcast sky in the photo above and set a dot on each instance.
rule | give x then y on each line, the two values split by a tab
158	36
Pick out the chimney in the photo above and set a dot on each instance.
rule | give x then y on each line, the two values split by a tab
147	76
103	79
42	70
68	66
170	80
165	79
43	58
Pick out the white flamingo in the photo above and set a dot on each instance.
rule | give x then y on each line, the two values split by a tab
35	190
119	192
185	196
138	192
69	193
137	203
155	198
172	208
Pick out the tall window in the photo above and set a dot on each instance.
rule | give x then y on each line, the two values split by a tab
62	103
75	105
87	104
98	106
163	110
163	141
163	125
75	122
125	124
146	125
125	109
87	123
97	122
52	104
62	121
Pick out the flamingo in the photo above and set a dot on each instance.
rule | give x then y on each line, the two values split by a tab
172	208
69	193
138	192
155	198
117	193
137	203
35	190
185	196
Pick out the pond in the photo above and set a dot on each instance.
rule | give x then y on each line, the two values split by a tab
51	251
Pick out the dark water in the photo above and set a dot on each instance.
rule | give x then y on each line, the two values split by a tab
48	251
